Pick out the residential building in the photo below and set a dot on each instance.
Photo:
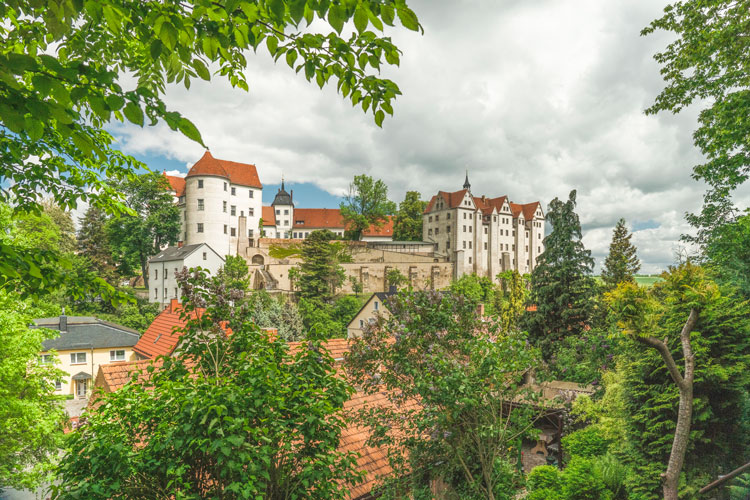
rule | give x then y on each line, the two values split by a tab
482	235
161	337
83	344
163	267
375	305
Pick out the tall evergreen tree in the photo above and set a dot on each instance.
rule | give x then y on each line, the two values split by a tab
155	223
561	283
622	262
320	274
407	225
93	241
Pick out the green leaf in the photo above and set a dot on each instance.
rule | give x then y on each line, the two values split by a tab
272	43
291	56
155	48
297	10
387	14
360	18
408	18
190	131
277	10
134	113
34	128
210	47
168	35
201	69
336	17
379	116
115	102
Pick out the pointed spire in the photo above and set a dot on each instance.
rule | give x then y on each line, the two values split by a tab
282	182
467	185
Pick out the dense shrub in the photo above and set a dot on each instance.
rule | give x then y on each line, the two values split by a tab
544	476
580	481
587	442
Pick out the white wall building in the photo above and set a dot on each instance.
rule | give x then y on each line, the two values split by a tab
484	236
162	268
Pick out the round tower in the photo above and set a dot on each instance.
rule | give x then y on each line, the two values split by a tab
207	196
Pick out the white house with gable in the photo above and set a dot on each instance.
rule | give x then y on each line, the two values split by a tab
165	264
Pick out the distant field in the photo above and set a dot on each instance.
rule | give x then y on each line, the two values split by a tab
641	280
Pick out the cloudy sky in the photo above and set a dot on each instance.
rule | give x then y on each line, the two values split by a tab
533	98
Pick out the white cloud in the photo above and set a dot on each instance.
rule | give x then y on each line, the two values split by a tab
534	98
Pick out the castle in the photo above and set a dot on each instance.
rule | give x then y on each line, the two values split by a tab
221	204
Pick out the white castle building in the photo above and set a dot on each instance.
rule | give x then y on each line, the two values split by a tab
484	235
221	204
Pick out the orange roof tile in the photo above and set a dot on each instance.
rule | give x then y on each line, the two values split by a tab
160	339
176	183
385	230
113	376
243	174
337	347
453	199
269	216
318	218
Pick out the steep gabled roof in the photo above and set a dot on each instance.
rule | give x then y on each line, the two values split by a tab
113	376
160	339
177	184
318	218
528	209
453	199
269	216
243	174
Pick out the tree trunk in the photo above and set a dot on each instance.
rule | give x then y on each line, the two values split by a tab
671	478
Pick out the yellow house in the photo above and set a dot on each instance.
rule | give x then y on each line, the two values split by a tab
83	344
375	305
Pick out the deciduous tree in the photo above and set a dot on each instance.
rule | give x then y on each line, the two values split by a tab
152	223
234	416
622	263
366	205
407	224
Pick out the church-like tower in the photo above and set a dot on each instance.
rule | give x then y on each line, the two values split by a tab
283	206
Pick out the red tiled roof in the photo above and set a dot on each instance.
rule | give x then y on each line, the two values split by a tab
318	218
243	174
176	183
160	339
337	347
385	230
528	209
453	199
113	376
269	216
487	204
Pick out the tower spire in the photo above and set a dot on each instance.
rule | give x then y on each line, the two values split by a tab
282	182
467	185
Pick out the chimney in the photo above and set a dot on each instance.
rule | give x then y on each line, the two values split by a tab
63	322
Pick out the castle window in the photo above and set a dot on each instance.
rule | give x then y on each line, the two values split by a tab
225	229
233	210
514	248
225	207
429	219
234	191
437	218
485	245
205	256
233	231
485	230
539	236
447	244
200	183
200	227
469	260
225	186
494	218
470	216
250	212
437	230
464	245
250	233
469	228
448	216
470	245
429	232
538	249
278	212
251	193
156	295
464	215
200	204
527	248
286	212
447	229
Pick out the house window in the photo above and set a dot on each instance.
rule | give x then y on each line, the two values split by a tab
286	222
286	212
165	293
225	229
251	193
200	203
45	359
156	274
376	305
233	210
77	358
250	212
234	232
175	292
234	191
156	293
200	227
278	212
494	218
205	256
58	385
117	355
200	183
224	206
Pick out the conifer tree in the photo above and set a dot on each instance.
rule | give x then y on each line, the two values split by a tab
622	262
319	274
561	283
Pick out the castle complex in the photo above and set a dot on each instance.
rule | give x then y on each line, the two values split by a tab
221	205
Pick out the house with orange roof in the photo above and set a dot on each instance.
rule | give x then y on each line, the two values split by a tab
483	235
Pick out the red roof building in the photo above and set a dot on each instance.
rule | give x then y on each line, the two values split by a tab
161	339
